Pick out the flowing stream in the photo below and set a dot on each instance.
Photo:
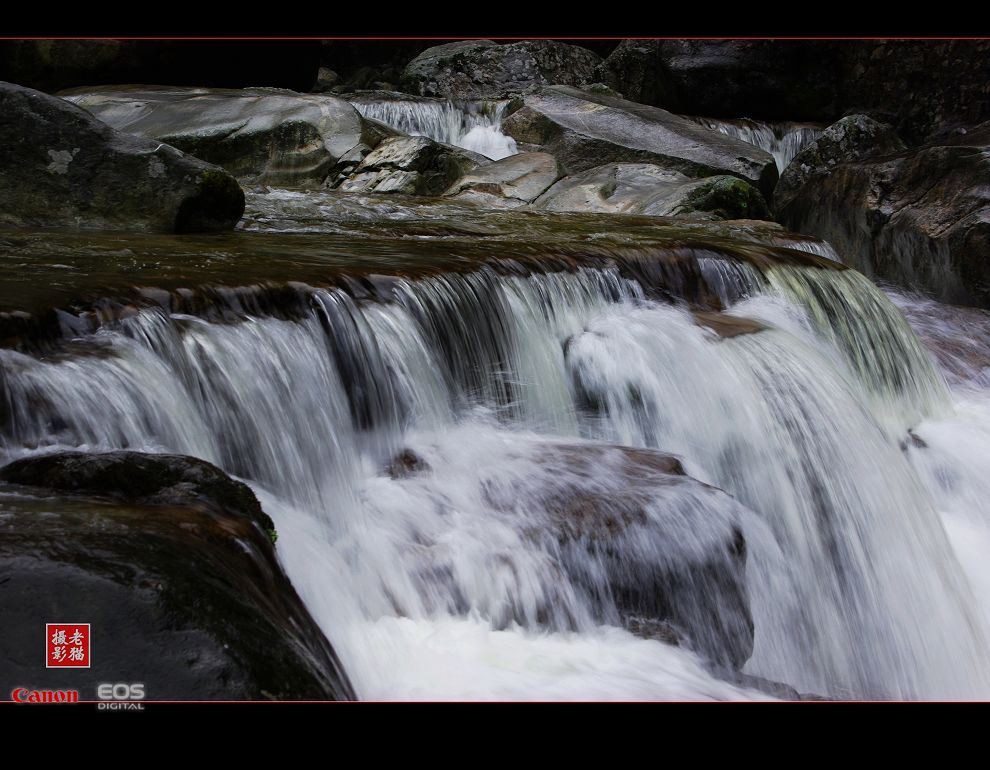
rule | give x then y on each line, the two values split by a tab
858	476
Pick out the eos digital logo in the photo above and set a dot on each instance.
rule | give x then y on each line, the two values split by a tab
120	697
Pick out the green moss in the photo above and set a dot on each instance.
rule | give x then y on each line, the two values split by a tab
729	198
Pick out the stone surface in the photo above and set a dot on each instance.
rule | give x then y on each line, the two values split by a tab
414	165
483	69
61	167
171	563
584	130
261	136
514	180
918	218
642	188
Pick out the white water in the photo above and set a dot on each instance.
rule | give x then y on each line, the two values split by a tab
449	582
473	126
782	140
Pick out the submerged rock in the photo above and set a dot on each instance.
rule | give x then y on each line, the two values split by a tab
919	218
483	69
262	136
61	167
415	165
643	188
172	563
584	130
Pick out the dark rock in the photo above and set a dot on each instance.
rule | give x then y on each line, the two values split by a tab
667	547
61	167
414	165
180	582
726	325
514	180
482	69
643	188
326	81
260	136
853	138
51	65
406	463
919	218
584	130
819	80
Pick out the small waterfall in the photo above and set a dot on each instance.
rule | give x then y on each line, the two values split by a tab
474	126
782	140
490	378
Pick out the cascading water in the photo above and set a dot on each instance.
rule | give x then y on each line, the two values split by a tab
782	140
447	578
474	126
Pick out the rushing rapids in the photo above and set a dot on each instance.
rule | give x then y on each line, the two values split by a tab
782	140
440	451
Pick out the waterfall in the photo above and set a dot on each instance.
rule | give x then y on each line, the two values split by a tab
442	575
782	140
474	126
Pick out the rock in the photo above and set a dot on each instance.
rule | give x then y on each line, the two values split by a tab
415	165
180	582
805	80
52	65
482	69
261	136
643	188
853	138
918	218
61	167
584	130
514	180
326	81
642	539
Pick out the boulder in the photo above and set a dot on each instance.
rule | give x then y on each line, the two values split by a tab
261	136
512	181
642	188
805	80
918	218
584	130
414	165
483	69
641	539
61	167
172	564
853	138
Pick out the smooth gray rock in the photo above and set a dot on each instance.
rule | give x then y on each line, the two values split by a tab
61	167
512	181
483	69
584	130
261	136
642	188
414	165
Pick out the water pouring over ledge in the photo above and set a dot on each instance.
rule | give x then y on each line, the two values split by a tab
853	586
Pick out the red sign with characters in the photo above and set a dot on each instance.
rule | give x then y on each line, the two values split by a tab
67	645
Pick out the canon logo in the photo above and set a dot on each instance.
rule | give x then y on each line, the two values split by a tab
24	695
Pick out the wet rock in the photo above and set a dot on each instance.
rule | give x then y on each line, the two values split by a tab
170	562
584	130
482	69
406	463
852	138
644	188
919	218
668	547
514	180
61	167
261	136
414	165
725	325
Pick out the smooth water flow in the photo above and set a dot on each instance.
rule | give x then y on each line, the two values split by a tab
474	126
782	140
445	474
